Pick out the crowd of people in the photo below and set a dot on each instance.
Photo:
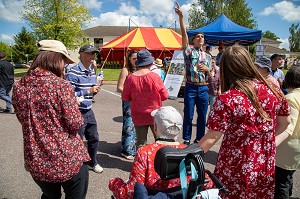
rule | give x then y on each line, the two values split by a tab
251	104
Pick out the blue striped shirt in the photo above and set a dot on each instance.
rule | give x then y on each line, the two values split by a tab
82	80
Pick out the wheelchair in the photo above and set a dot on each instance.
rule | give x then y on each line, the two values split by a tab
169	163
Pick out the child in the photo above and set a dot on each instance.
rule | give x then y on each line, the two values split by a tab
288	152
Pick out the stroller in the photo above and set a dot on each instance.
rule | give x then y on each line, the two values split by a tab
173	163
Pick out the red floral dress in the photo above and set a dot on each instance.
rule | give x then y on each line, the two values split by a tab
246	161
47	109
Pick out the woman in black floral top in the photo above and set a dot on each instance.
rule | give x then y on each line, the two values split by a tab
47	109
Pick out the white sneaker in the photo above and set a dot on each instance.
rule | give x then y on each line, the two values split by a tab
97	168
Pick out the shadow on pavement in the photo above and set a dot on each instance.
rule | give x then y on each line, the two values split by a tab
211	157
110	156
118	119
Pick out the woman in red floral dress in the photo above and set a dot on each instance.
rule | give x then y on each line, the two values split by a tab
249	113
47	109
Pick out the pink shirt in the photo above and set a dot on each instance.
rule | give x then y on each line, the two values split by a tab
145	94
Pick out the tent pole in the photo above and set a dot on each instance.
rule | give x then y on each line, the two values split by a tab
105	60
129	25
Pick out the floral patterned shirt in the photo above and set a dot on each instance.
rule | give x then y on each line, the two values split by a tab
143	172
47	109
246	161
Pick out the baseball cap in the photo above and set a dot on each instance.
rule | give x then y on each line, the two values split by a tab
55	46
168	121
87	48
264	62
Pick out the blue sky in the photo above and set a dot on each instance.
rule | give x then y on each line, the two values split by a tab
274	15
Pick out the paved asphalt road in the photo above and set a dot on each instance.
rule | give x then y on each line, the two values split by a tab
16	183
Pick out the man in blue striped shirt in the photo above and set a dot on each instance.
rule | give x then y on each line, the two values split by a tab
83	79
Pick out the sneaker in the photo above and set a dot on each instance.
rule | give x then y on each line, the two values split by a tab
187	142
196	141
8	111
128	157
97	168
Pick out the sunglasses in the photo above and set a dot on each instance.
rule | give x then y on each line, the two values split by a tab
134	58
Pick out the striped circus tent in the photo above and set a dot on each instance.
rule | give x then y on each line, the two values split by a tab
161	42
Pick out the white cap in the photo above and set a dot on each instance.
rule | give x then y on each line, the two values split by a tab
168	121
55	46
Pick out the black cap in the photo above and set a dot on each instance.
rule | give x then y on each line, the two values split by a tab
87	48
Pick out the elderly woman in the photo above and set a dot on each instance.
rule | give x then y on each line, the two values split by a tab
47	109
167	126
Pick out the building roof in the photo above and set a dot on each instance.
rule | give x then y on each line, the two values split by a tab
100	31
271	41
269	50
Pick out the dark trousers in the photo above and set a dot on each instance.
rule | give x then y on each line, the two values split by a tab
89	130
283	183
194	95
75	188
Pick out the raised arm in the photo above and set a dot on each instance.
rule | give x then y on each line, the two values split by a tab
185	40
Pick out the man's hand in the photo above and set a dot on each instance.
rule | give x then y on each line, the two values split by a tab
203	68
280	81
178	10
94	89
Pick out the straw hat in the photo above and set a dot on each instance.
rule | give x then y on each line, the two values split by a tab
158	62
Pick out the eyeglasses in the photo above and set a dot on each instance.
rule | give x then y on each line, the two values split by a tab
134	58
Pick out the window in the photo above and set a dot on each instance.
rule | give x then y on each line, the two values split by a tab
98	42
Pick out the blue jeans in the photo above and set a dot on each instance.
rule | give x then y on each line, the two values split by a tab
4	95
194	95
89	130
212	99
128	131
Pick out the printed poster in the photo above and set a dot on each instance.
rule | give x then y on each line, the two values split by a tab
175	74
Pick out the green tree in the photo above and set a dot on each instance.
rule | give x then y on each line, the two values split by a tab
57	19
294	38
204	12
25	43
6	49
270	35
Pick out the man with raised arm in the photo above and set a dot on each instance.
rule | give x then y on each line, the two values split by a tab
197	66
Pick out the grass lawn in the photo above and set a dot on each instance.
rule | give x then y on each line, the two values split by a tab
109	73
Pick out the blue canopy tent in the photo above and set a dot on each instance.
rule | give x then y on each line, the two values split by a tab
224	31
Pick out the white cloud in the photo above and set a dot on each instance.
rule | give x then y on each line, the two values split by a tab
150	13
285	43
92	4
127	9
285	9
115	19
10	10
6	38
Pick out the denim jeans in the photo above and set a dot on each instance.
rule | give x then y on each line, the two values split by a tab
128	131
89	130
283	183
75	188
212	99
4	95
194	95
